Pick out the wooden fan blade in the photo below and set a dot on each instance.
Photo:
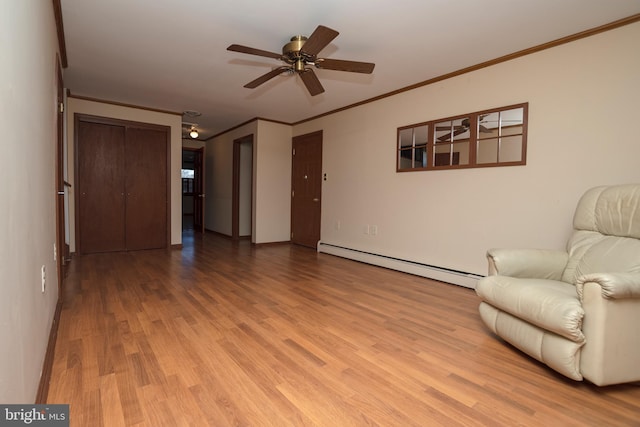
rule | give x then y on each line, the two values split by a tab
311	81
342	65
483	129
266	77
459	130
253	51
318	40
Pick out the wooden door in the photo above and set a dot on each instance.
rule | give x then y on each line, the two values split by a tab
100	187
198	190
122	201
306	194
146	188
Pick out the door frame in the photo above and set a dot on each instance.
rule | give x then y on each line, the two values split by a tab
59	181
81	117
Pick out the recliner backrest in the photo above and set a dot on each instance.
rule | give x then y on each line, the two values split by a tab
606	234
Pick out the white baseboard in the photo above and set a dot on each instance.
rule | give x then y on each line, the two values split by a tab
468	280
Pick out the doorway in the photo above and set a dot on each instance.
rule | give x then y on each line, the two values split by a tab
242	199
306	186
193	189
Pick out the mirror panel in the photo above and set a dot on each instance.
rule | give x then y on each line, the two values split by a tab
405	138
421	135
511	149
420	157
487	151
494	137
412	147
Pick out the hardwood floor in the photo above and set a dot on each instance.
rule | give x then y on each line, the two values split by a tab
223	333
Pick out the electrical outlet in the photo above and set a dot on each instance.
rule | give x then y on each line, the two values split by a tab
43	274
365	229
55	252
373	230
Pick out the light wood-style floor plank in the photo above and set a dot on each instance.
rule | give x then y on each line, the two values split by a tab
224	333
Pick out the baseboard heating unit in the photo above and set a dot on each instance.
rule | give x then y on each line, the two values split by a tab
460	278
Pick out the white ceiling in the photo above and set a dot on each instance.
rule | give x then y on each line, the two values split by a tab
171	54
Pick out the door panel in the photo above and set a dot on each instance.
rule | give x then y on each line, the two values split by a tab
306	181
100	182
146	188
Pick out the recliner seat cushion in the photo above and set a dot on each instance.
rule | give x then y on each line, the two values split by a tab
549	304
557	352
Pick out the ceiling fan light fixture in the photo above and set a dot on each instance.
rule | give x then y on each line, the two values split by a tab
301	53
193	133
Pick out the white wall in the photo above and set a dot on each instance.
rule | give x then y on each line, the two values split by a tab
272	183
583	108
28	47
271	215
83	106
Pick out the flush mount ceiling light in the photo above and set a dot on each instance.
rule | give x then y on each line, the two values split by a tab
193	133
190	129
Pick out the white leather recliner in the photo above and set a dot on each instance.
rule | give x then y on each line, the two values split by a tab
576	311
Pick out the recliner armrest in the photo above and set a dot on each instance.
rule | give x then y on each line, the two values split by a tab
614	285
527	263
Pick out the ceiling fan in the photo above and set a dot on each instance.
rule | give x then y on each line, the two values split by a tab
300	54
461	128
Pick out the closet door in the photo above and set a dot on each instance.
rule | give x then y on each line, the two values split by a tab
100	187
146	188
